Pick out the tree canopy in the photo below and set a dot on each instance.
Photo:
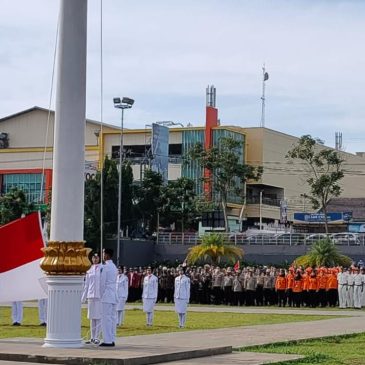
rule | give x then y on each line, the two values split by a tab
214	249
228	172
13	205
323	253
323	171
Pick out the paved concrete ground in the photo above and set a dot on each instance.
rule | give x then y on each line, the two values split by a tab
259	310
150	347
235	309
241	358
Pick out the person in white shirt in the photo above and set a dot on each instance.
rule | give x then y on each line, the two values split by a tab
358	288
42	311
350	289
91	294
342	277
17	313
122	294
108	293
149	295
181	296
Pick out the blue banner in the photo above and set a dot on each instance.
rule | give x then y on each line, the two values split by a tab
160	150
341	217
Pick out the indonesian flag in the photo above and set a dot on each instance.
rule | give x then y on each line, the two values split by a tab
21	277
236	267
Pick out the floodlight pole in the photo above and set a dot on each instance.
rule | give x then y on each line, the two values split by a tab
121	147
126	103
260	208
262	124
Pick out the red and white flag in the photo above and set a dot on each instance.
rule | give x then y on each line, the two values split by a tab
236	267
21	277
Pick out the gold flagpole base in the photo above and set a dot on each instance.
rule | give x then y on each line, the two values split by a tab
65	258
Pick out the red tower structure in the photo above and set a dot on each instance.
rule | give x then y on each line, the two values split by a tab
211	121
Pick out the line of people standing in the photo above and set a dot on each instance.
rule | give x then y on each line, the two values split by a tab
106	290
263	286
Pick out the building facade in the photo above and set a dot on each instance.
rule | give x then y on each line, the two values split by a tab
26	162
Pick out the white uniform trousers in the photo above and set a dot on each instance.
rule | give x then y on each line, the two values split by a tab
120	318
42	310
357	296
342	295
363	298
95	326
17	312
108	322
182	319
148	308
350	296
120	311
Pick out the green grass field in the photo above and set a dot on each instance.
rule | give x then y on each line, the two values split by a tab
339	350
165	321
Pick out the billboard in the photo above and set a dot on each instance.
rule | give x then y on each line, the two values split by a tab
91	168
283	211
340	217
160	150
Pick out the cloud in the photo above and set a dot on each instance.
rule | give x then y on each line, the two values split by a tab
164	54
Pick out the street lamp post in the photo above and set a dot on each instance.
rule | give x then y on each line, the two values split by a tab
260	208
125	103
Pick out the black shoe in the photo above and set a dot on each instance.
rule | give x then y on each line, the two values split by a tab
103	344
43	324
16	324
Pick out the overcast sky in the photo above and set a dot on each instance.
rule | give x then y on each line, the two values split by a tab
163	54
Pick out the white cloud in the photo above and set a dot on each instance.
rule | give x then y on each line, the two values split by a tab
165	53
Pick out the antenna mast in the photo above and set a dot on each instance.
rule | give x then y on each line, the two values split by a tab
265	77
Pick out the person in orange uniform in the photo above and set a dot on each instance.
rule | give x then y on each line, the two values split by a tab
313	287
289	286
331	287
305	277
322	286
280	287
297	288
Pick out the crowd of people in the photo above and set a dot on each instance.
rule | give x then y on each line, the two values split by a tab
260	286
107	289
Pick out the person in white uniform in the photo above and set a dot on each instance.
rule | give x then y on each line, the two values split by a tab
149	295
342	288
363	292
122	294
91	294
350	289
42	311
17	313
358	288
108	292
181	296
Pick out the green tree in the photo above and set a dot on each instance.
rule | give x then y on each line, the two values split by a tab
149	199
229	174
179	203
323	253
214	249
13	205
323	169
110	202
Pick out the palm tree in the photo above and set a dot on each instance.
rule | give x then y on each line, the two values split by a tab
214	249
323	253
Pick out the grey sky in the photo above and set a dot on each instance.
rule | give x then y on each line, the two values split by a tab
164	54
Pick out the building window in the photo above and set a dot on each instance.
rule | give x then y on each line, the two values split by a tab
29	183
192	170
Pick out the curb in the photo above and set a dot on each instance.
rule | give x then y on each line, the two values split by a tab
144	360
